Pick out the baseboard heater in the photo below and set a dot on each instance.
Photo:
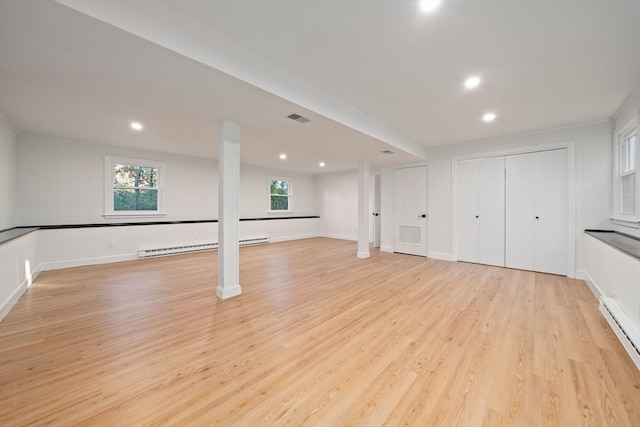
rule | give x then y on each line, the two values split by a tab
186	249
626	332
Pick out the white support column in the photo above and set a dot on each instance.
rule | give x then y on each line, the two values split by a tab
363	209
228	217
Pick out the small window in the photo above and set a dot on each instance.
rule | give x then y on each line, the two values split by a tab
280	191
133	187
628	170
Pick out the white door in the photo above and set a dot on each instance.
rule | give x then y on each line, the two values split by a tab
376	211
520	226
491	211
536	211
410	210
480	211
468	211
551	213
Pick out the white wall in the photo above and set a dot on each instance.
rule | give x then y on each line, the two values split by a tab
254	202
19	266
62	182
8	175
337	198
629	110
593	182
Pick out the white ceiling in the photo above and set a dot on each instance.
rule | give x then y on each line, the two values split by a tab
371	75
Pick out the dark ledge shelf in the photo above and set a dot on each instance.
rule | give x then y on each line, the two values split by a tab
622	242
13	233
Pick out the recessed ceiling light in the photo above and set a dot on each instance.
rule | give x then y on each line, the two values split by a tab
283	156
472	82
136	125
321	164
489	117
429	6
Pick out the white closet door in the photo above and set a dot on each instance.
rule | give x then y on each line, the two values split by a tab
480	210
491	211
410	210
551	212
520	208
467	210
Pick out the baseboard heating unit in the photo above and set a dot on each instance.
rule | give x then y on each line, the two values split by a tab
185	249
624	329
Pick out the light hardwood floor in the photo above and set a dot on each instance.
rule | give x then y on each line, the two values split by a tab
318	337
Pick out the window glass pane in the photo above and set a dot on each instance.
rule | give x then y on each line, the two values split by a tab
628	193
279	187
135	176
279	203
632	152
135	200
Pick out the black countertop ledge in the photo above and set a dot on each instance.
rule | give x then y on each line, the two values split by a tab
623	242
13	233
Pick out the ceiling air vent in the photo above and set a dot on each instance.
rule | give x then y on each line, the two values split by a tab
387	152
298	118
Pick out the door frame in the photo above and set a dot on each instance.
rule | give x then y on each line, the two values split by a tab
428	201
569	145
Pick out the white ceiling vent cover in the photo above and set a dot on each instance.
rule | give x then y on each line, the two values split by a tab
298	118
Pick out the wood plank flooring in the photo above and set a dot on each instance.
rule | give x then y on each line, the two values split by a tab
319	338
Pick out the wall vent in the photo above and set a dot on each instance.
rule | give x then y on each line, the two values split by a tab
624	329
298	118
186	249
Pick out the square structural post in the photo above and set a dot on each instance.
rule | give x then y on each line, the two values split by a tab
228	216
363	209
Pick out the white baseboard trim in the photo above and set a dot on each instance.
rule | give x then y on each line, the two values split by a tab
224	293
591	284
441	255
13	299
364	254
81	262
386	249
296	237
339	236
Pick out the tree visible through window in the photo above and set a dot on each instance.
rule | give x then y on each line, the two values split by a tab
135	188
280	192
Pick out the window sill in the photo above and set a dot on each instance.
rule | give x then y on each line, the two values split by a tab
279	212
134	215
626	222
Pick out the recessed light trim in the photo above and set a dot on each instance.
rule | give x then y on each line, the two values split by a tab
489	117
283	156
429	6
321	164
472	82
136	126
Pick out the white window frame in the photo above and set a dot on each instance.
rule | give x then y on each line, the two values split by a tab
620	135
109	163
289	196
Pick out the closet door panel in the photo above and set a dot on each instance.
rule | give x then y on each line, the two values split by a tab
551	212
491	211
467	210
519	207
